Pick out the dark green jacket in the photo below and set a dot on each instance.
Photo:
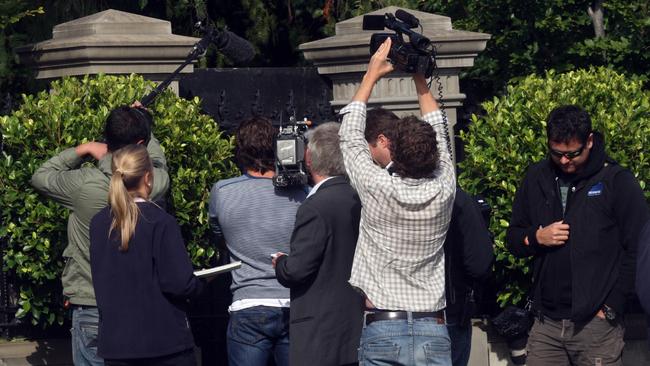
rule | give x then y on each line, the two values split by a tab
84	191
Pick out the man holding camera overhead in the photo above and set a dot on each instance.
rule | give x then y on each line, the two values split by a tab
399	260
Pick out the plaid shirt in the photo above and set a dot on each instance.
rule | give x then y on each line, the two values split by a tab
399	260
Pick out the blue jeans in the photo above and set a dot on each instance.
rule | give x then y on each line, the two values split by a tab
85	325
461	343
405	342
256	334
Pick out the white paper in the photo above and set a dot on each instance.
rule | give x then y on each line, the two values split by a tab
217	270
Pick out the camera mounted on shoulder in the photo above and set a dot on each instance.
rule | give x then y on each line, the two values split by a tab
415	56
290	145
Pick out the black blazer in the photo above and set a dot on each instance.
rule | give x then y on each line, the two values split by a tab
326	313
468	257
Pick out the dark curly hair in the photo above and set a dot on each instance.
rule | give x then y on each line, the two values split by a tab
414	148
379	121
568	122
254	145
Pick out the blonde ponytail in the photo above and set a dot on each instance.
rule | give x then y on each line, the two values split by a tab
129	166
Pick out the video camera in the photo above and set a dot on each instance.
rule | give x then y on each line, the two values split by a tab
290	145
416	56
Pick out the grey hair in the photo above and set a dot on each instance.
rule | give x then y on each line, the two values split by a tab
326	157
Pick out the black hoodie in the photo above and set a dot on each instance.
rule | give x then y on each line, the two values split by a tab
605	210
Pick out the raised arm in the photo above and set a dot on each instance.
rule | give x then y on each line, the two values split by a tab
59	178
434	116
427	102
358	162
377	68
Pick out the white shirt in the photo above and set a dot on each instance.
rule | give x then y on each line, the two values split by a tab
315	188
249	303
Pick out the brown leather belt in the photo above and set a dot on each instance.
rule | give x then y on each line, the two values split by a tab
376	315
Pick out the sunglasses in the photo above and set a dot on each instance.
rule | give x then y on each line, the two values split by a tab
568	154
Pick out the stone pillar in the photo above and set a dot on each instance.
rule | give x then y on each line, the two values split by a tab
343	59
110	42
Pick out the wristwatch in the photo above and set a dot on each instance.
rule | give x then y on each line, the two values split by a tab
610	314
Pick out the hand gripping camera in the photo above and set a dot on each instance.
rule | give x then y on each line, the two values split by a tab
415	56
290	145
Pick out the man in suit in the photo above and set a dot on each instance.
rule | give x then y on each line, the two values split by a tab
326	313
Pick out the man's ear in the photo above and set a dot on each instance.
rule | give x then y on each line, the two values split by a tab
382	140
308	158
140	142
590	140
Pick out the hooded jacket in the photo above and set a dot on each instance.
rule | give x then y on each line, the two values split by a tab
605	210
83	189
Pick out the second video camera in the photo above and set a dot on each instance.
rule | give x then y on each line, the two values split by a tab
290	145
416	55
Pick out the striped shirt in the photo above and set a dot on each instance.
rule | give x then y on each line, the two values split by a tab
256	220
399	259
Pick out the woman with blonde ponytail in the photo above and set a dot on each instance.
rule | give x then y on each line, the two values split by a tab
141	272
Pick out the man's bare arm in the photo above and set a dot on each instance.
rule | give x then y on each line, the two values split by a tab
427	102
377	68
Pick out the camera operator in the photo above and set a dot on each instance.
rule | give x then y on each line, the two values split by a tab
399	260
255	220
468	246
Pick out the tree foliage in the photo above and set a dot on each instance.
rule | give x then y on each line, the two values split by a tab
11	12
531	37
527	36
511	135
72	112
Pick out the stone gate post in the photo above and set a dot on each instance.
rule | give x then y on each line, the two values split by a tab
343	59
110	42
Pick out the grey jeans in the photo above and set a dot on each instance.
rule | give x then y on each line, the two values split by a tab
596	342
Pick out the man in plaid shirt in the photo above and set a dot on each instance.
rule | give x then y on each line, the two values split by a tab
399	260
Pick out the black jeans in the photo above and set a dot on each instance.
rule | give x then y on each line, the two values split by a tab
183	358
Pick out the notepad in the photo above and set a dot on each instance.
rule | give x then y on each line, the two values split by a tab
209	272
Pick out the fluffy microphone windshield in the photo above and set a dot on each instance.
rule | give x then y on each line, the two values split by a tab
235	48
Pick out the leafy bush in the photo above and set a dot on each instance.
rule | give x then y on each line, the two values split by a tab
511	135
34	228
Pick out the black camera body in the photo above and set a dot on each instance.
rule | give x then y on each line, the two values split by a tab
414	56
290	145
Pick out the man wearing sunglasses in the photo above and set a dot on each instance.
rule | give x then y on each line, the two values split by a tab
579	214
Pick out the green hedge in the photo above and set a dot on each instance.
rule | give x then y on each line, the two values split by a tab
72	112
511	135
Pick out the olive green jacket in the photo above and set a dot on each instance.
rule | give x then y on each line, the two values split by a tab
84	191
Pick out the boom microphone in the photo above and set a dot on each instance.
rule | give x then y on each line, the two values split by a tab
407	18
232	46
235	48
